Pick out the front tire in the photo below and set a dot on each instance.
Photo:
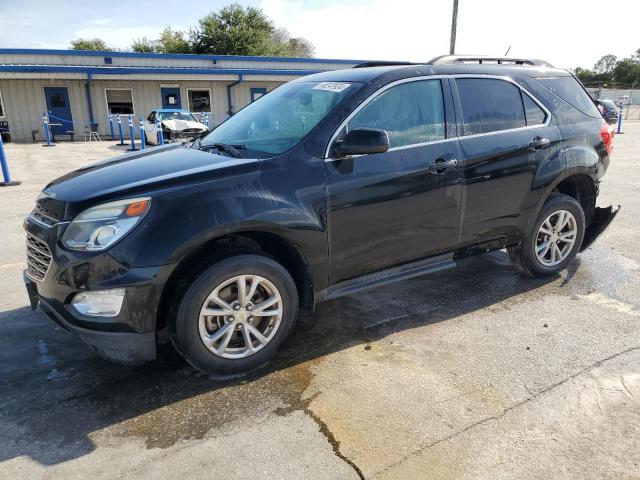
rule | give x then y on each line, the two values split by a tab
554	240
235	315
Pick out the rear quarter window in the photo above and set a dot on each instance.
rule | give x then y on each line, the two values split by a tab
570	90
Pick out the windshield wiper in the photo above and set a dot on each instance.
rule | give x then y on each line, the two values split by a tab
225	147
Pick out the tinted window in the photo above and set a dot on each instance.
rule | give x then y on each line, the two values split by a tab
568	89
535	115
489	105
410	113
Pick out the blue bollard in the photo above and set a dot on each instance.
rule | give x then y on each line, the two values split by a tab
620	119
5	167
47	132
142	140
113	137
120	130
206	119
132	135
160	134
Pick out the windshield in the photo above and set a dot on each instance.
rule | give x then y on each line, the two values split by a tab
176	116
278	121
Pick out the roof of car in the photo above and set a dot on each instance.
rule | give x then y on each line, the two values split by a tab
171	110
396	72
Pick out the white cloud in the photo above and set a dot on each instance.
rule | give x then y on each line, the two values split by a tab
101	21
567	33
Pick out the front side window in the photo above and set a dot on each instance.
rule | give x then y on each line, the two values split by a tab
119	101
277	122
200	101
1	107
490	105
411	113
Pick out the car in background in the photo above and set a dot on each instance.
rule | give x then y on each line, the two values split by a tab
608	109
177	125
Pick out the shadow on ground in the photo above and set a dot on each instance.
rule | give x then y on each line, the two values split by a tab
53	420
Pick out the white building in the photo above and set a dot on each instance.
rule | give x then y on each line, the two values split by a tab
78	88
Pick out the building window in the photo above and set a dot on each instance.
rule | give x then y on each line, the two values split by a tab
1	107
257	92
199	100
119	101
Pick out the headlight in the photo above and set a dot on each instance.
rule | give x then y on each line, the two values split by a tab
100	227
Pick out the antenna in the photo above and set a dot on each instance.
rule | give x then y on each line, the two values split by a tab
507	52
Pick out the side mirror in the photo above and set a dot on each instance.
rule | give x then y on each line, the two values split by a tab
362	141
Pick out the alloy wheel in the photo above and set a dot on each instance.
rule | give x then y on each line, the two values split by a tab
555	238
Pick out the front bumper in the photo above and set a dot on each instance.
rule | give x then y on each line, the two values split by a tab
128	337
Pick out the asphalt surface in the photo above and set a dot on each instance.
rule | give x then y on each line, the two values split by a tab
474	372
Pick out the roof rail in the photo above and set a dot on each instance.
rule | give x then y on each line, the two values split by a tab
482	59
383	64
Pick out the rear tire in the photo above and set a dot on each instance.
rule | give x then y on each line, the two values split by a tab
225	329
550	247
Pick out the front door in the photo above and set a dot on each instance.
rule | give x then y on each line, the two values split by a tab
171	97
59	108
391	208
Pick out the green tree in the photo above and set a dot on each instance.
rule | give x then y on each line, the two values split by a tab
627	71
237	30
170	41
89	44
605	65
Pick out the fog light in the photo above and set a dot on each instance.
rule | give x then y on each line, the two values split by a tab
99	303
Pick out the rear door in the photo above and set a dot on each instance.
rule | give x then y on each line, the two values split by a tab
506	137
59	108
395	207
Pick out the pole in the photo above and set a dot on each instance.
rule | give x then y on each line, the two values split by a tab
111	127
620	120
206	119
159	130
454	27
142	139
5	167
47	132
132	135
120	130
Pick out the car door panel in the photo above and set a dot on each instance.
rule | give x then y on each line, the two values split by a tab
391	208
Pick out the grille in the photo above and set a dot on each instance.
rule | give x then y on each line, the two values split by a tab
45	216
38	258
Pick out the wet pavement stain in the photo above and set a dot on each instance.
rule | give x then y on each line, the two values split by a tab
192	418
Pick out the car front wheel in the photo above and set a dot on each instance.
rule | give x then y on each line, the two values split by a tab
235	315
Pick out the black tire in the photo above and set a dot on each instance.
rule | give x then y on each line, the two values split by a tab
523	255
186	336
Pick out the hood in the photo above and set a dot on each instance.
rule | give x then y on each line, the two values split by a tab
138	172
180	125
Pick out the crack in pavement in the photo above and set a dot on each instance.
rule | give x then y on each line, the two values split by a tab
506	410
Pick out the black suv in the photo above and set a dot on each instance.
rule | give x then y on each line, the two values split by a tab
330	184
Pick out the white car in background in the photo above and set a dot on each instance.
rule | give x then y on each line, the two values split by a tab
177	126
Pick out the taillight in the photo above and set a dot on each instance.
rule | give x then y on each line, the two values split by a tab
607	133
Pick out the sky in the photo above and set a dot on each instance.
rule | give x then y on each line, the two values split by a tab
567	33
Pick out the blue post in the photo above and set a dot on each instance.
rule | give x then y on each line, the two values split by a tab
132	135
120	130
160	134
47	132
5	168
113	137
206	119
142	139
620	119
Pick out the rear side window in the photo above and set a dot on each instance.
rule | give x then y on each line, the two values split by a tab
534	114
490	105
569	90
411	113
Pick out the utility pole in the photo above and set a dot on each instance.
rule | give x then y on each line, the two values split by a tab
454	26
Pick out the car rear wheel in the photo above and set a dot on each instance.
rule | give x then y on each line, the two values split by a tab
235	315
554	240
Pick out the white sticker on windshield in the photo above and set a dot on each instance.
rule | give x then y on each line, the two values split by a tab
332	86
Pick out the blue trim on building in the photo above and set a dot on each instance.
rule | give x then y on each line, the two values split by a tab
150	71
173	56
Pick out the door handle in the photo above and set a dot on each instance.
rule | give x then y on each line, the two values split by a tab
537	143
441	165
